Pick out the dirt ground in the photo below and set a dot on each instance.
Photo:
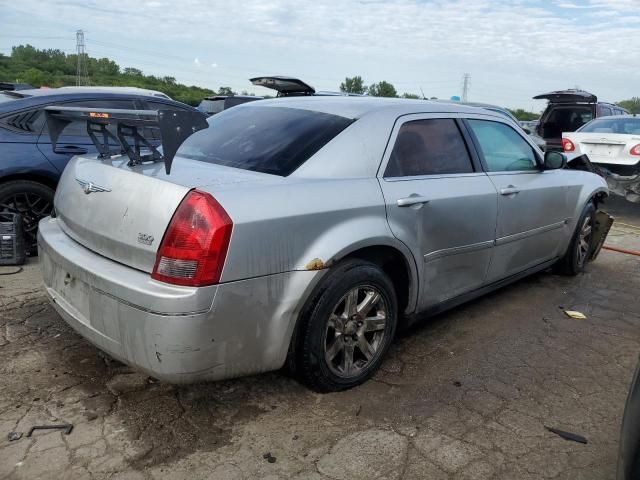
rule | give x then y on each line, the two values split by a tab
466	394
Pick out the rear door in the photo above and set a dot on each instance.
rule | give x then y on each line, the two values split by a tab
440	204
533	205
74	139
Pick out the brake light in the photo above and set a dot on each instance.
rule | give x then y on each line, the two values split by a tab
194	247
635	150
567	145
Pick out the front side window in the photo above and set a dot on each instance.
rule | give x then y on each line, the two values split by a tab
502	147
274	140
429	147
606	111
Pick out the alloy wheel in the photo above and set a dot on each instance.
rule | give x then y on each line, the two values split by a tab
32	207
356	331
584	241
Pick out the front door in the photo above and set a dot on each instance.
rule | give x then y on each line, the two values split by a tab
533	205
440	204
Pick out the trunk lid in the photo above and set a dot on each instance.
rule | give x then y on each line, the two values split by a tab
127	210
606	147
567	96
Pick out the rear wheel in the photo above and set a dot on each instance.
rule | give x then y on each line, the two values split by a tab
581	244
33	201
347	328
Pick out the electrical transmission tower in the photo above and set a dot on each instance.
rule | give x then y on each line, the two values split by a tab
465	87
82	77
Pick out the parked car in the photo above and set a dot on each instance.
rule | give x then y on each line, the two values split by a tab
15	86
629	448
294	87
217	103
30	169
305	231
502	111
612	144
567	111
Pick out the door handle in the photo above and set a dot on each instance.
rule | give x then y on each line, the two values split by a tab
510	190
71	149
412	199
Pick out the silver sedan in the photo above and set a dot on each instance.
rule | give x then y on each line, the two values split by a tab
305	232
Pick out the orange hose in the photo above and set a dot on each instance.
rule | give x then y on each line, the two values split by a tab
621	250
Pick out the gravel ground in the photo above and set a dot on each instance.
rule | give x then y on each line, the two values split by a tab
466	394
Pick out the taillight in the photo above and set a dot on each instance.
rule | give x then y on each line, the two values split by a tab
635	150
567	145
194	247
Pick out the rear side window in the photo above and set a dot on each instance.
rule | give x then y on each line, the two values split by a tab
429	147
605	111
80	128
502	147
274	140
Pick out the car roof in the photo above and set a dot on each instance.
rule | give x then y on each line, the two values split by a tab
24	100
357	107
84	90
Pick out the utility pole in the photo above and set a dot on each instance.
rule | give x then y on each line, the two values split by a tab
82	77
465	86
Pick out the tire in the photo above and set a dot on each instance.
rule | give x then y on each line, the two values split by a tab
33	201
336	351
581	246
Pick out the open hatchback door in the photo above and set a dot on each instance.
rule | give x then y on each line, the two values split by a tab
568	96
285	86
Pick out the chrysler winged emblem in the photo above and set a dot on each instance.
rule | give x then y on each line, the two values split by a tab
90	187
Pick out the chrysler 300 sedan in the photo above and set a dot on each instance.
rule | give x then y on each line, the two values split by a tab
304	232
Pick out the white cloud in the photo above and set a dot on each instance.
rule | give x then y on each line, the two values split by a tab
513	49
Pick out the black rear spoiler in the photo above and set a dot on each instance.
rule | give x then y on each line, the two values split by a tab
174	126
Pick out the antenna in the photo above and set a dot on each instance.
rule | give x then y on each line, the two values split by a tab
465	86
82	76
422	92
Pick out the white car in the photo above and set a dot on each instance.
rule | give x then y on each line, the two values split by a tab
612	144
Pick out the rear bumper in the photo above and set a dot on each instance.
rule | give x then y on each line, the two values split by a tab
176	334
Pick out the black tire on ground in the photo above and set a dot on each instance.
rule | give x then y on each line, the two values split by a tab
33	200
574	261
355	301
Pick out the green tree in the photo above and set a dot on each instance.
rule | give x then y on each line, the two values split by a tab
633	104
54	68
353	85
411	95
226	91
382	89
523	115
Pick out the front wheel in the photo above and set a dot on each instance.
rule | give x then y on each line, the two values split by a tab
581	244
347	328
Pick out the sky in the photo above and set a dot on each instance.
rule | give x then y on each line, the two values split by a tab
512	49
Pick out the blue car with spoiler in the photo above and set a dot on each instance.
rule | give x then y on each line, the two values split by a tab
30	167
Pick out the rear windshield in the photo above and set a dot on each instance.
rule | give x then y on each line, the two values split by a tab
629	126
274	140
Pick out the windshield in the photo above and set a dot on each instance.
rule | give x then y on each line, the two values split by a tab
274	140
629	126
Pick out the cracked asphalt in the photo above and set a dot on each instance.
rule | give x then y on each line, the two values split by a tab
464	395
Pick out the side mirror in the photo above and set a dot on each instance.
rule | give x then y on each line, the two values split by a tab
554	160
